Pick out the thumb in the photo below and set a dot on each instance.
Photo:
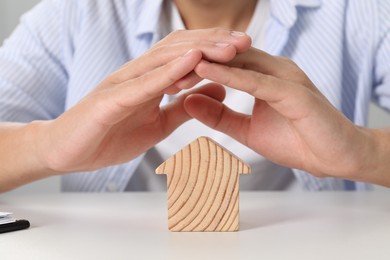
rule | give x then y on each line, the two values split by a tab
174	114
218	116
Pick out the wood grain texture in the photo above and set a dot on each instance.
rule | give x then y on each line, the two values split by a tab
203	187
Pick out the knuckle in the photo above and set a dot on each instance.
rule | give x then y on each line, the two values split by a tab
202	42
175	34
154	50
286	60
227	79
115	78
219	30
260	80
290	64
160	51
172	78
226	33
167	52
293	71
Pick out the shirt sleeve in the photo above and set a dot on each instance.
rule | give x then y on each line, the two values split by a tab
33	77
381	93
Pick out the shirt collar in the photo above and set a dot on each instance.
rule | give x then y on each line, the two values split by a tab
286	10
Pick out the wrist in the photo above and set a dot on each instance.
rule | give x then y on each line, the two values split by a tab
20	160
377	163
363	148
350	155
38	135
371	163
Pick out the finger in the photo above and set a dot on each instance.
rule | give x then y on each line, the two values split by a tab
240	40
281	94
219	45
265	63
152	84
258	60
174	112
186	82
216	115
158	56
255	83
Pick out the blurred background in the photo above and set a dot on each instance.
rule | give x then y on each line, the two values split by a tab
10	12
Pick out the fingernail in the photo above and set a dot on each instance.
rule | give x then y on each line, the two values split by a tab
222	45
237	34
188	53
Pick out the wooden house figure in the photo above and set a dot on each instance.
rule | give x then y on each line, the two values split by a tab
203	187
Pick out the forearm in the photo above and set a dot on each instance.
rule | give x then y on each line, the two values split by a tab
20	161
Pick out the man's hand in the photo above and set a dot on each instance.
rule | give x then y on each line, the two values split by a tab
292	123
121	118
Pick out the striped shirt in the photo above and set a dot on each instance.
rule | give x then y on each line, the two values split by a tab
63	49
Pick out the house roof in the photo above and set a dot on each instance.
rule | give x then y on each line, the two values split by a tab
204	150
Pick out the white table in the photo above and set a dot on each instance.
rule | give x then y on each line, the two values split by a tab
274	225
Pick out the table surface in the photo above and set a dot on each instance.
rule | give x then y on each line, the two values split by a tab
273	225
